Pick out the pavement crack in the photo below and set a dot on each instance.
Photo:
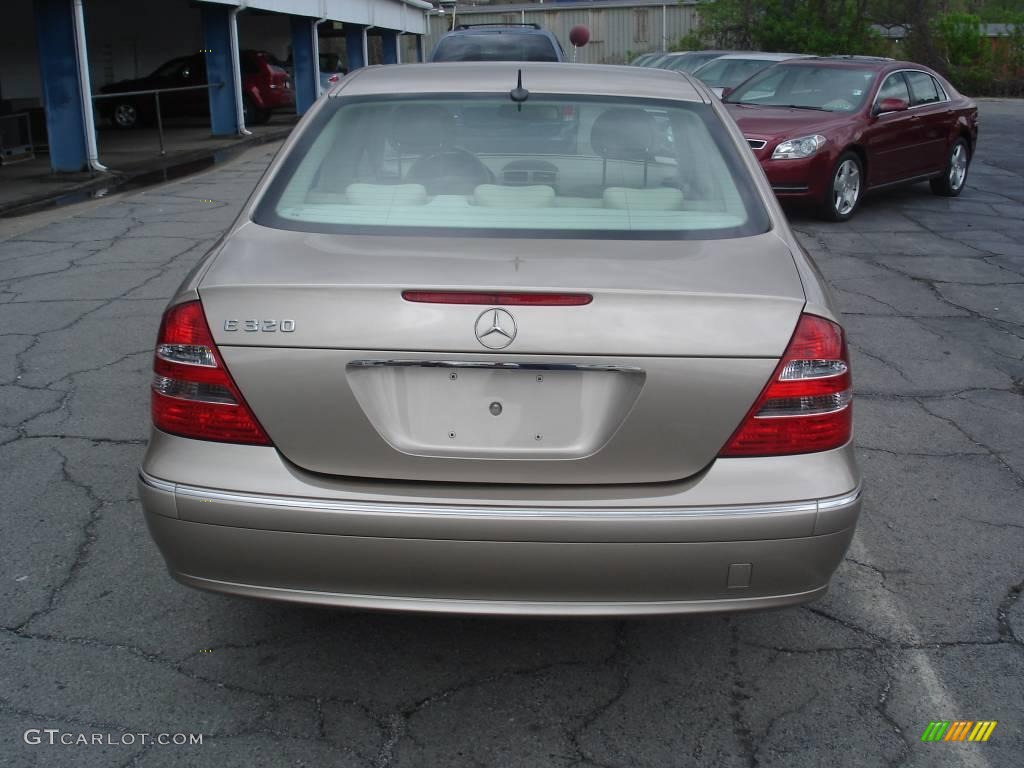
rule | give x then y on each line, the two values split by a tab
83	550
881	706
321	725
883	574
1006	632
394	729
843	623
933	287
738	697
774	720
1018	526
1018	477
877	358
7	707
618	662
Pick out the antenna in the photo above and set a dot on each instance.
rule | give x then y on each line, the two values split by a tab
519	94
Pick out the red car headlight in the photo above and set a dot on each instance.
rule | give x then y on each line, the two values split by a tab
797	149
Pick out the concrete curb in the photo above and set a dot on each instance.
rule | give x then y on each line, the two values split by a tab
115	180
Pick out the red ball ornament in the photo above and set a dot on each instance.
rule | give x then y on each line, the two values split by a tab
579	35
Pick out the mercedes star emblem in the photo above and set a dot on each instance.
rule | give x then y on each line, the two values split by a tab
495	328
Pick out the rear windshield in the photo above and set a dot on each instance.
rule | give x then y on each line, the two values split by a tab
727	73
807	86
691	62
552	167
492	46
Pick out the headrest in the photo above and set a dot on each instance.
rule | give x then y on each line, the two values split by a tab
422	128
623	133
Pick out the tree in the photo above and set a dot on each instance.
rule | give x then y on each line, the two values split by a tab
799	26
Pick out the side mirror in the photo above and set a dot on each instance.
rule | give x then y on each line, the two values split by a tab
891	105
727	90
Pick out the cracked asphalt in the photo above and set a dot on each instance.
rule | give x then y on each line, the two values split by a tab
924	621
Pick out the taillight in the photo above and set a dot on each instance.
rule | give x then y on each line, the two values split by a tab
806	405
193	394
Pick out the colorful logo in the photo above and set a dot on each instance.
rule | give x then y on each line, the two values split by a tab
958	730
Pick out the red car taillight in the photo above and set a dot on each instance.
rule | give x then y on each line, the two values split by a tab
193	394
806	405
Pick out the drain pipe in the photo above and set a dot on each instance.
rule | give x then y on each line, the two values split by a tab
366	44
85	85
372	25
664	28
316	55
316	47
236	69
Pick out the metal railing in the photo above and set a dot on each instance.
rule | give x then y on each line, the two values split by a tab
156	95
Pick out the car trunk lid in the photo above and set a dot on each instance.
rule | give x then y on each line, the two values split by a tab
642	384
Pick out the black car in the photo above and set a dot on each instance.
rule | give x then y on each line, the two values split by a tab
266	87
133	111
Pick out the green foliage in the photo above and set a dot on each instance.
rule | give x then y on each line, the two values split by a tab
960	39
691	42
945	34
798	26
971	61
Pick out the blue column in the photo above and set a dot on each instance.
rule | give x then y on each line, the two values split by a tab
389	39
354	46
306	70
62	87
220	68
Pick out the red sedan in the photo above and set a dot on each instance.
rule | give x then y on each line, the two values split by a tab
827	130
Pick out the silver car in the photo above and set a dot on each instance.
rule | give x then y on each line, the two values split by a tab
515	338
726	72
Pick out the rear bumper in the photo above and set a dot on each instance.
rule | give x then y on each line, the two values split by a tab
606	557
497	578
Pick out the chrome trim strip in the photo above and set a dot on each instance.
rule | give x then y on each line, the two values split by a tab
502	607
527	513
495	366
756	143
157	483
837	502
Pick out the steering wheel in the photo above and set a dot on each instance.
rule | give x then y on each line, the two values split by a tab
450	171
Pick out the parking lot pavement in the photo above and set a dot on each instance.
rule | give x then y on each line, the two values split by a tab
924	621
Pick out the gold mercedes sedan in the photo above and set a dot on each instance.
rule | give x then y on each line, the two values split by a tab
506	338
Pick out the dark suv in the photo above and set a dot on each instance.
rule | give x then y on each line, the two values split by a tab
498	42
